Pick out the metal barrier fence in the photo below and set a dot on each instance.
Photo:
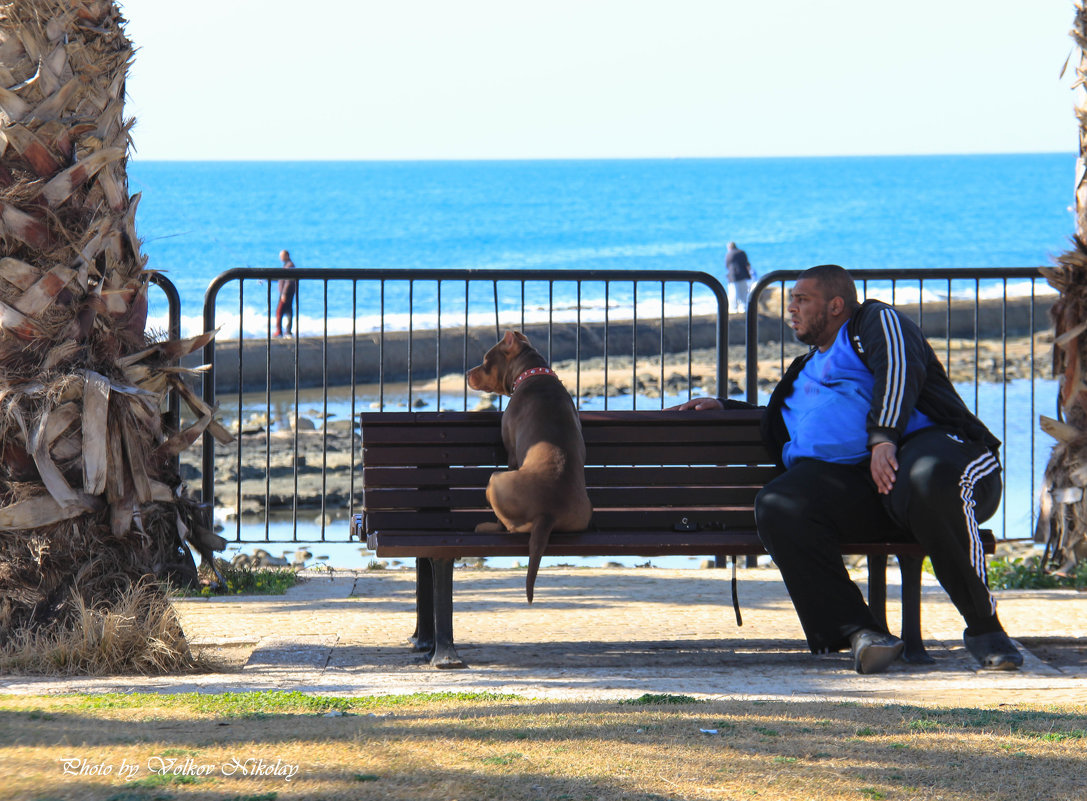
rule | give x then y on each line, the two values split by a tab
403	339
983	324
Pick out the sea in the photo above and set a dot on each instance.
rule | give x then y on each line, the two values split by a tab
198	219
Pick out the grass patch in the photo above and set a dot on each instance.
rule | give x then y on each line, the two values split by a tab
651	699
244	581
487	746
251	704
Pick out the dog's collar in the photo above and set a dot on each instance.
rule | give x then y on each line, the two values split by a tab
529	373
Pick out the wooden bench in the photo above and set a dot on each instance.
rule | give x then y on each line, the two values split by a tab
661	483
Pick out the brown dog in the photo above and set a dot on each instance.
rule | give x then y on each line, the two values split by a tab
544	489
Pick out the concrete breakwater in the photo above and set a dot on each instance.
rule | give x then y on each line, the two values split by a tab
396	356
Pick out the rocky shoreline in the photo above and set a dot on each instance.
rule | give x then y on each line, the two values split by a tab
314	461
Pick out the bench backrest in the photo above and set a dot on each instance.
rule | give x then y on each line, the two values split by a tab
660	470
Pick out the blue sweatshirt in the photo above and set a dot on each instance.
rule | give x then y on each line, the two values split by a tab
827	409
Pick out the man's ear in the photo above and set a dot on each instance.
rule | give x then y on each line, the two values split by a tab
836	306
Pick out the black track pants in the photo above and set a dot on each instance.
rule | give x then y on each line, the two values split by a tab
943	488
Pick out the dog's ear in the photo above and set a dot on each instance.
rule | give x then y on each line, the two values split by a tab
514	342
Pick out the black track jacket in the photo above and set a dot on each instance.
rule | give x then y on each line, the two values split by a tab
908	375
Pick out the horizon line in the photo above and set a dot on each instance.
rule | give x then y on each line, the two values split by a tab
513	159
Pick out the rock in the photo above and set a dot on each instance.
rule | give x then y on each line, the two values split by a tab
486	403
261	558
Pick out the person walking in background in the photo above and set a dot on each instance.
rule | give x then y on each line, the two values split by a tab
739	274
287	289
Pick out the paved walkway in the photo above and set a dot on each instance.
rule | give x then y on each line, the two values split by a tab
595	634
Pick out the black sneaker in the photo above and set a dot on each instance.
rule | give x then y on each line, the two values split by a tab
874	651
994	650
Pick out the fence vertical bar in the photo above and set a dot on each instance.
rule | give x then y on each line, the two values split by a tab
550	316
464	402
577	350
411	339
438	352
662	344
634	349
241	374
324	412
1004	390
690	342
381	350
607	339
296	324
354	365
268	413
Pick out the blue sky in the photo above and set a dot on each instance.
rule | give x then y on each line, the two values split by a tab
438	79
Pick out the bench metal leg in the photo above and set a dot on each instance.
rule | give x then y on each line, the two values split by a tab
914	652
444	654
877	588
423	638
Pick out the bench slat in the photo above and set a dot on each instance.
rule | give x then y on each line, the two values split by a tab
605	454
677	454
732	476
647	417
453	544
412	477
491	435
601	497
654	519
410	455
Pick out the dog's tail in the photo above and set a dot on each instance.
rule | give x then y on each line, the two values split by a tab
537	544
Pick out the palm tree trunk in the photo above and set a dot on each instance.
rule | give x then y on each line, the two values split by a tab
1062	518
90	500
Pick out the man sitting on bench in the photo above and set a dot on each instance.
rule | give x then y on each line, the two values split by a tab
873	436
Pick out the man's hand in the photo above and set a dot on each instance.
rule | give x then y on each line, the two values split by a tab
697	404
884	466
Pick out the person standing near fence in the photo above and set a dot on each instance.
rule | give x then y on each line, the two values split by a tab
287	290
739	275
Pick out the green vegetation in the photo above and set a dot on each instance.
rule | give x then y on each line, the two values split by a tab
246	581
1027	574
650	699
257	704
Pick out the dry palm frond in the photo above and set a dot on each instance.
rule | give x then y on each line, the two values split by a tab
90	502
137	631
1062	516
